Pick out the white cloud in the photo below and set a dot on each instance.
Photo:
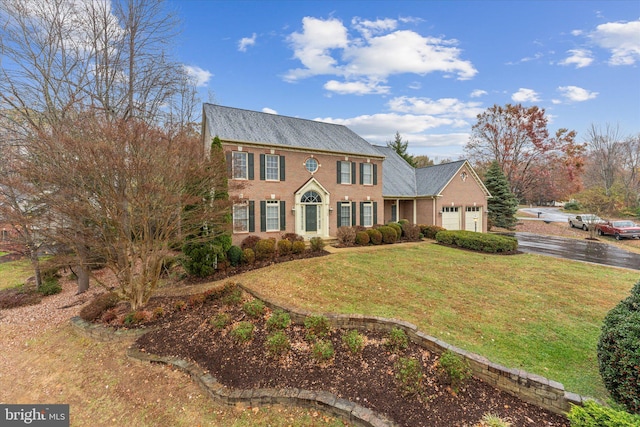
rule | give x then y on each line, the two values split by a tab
478	93
576	94
356	88
621	39
577	32
445	107
246	42
200	77
578	57
324	47
525	95
269	110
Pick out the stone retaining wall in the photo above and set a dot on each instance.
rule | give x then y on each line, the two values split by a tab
529	387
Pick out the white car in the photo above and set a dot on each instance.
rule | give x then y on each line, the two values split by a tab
584	221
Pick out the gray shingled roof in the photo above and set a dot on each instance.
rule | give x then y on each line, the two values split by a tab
431	180
237	125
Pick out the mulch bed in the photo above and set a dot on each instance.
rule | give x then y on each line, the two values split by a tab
367	378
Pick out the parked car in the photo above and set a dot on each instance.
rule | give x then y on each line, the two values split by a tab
584	221
623	229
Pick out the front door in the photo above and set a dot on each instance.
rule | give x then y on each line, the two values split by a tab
311	218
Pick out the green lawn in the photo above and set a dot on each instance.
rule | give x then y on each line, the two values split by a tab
531	312
14	273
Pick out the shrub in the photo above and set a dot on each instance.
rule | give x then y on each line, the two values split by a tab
19	296
375	237
180	305
354	341
409	373
454	369
619	351
317	327
389	235
197	299
279	319
248	256
398	229
430	231
232	297
99	305
50	286
346	236
265	249
322	350
572	206
362	238
277	343
491	243
491	420
135	317
200	258
234	255
254	308
298	247
316	244
220	321
410	231
293	237
250	242
397	339
243	332
158	312
591	414
284	247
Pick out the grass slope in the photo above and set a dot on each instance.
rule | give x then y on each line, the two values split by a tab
536	313
14	273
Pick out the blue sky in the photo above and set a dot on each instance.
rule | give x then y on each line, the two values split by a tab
422	68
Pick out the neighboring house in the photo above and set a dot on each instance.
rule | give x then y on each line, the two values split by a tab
309	178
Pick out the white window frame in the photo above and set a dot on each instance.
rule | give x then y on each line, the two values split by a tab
367	174
272	215
367	219
239	218
272	172
345	220
345	171
240	165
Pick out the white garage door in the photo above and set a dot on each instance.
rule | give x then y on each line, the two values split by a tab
473	218
451	217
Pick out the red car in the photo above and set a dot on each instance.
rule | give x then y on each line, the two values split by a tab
619	229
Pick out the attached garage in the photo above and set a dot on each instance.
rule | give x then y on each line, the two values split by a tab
473	218
451	217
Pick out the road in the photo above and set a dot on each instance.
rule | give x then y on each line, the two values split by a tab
546	214
578	250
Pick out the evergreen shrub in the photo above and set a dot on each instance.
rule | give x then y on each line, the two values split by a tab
284	247
482	242
389	235
265	249
375	237
298	247
362	238
234	255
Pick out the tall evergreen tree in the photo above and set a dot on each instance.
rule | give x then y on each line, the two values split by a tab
400	147
503	206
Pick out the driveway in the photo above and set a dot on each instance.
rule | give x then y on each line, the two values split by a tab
546	214
578	250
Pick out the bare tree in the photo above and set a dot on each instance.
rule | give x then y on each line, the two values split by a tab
630	176
605	149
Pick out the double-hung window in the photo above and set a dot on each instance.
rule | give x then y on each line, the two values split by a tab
240	165
366	173
241	218
272	215
367	214
272	167
345	215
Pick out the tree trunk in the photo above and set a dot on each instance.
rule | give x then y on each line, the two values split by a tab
83	279
35	263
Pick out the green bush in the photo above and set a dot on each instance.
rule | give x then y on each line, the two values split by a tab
322	350
354	341
398	229
482	242
346	235
279	319
594	415
430	231
265	249
317	327
99	305
50	286
220	321
298	247
232	296
397	340
248	256
234	255
409	373
284	247
375	237
389	234
243	332
254	308
362	238
277	343
572	206
492	420
200	258
316	244
454	368
619	351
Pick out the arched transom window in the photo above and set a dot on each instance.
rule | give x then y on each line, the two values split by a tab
311	197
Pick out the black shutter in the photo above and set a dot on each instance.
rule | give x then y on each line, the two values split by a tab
283	216
252	216
262	161
353	172
229	159
361	214
250	165
361	173
375	174
339	209
375	213
281	168
263	215
338	164
353	213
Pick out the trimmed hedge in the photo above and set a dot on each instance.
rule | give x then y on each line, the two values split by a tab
362	238
375	237
389	234
430	231
481	242
595	415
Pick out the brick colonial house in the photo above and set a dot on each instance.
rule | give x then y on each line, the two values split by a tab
308	177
